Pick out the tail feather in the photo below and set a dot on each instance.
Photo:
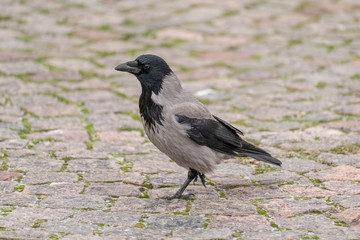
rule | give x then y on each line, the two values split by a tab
250	150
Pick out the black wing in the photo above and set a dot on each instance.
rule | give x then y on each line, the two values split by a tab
222	137
213	134
228	125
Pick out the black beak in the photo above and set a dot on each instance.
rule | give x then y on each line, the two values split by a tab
130	67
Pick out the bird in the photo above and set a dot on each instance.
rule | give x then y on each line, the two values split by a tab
181	126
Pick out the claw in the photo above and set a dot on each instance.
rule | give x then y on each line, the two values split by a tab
202	178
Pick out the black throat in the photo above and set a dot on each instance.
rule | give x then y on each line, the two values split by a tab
149	110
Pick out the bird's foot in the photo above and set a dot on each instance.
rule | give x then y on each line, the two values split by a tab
202	178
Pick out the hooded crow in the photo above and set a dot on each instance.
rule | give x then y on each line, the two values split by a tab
182	127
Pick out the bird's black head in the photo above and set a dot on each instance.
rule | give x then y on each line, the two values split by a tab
149	69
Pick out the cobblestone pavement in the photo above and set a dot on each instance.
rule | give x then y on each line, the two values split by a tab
75	163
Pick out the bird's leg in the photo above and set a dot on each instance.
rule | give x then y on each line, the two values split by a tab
202	178
192	174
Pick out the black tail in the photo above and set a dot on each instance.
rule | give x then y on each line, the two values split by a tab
250	150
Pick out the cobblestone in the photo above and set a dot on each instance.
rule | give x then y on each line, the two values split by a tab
75	162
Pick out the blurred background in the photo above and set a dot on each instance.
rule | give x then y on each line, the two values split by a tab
266	65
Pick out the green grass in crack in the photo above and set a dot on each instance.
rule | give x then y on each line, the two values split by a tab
355	77
91	132
346	149
263	168
4	211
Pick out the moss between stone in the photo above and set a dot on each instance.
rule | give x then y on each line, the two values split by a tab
4	211
262	212
91	132
305	237
147	183
346	149
263	168
145	194
19	188
64	166
140	225
206	224
38	223
126	166
57	236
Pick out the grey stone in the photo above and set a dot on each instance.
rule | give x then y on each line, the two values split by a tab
24	234
88	84
7	187
198	192
9	176
342	187
149	205
111	121
133	178
321	117
111	106
248	223
301	165
339	159
174	222
48	177
346	201
270	113
309	222
278	177
204	234
334	234
92	165
21	67
87	237
48	146
7	133
166	180
117	219
51	76
86	96
345	125
82	153
135	233
17	199
306	190
58	188
222	207
74	201
349	109
285	234
251	193
72	64
67	227
342	173
39	213
61	135
113	189
222	180
56	123
119	147
287	207
25	164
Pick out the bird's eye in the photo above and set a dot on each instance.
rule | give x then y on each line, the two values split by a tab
146	66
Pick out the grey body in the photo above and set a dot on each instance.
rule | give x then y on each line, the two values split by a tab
171	137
